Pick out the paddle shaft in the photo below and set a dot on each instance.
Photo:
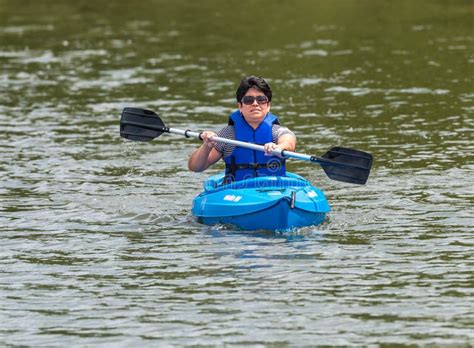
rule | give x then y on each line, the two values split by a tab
276	152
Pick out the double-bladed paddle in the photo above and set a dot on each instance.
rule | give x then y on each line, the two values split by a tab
339	163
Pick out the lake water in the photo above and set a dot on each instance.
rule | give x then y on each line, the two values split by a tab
98	245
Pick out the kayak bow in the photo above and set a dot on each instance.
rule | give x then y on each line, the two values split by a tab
265	203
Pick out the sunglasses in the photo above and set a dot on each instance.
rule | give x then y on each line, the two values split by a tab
261	99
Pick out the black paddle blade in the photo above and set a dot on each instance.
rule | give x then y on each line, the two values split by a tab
347	165
140	124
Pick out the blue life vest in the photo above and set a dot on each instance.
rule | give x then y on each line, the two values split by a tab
245	163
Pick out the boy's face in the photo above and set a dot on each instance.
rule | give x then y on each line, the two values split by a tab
254	109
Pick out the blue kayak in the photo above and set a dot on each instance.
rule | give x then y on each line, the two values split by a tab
275	203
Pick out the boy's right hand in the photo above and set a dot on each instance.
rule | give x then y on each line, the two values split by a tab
206	138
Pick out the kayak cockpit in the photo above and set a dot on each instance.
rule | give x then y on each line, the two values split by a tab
216	182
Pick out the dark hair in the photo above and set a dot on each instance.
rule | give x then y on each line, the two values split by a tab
256	82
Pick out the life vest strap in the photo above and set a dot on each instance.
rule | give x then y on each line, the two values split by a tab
233	167
252	166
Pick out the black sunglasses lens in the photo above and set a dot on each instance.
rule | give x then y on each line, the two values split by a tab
248	99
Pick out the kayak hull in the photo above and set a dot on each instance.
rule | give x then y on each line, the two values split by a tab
263	203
